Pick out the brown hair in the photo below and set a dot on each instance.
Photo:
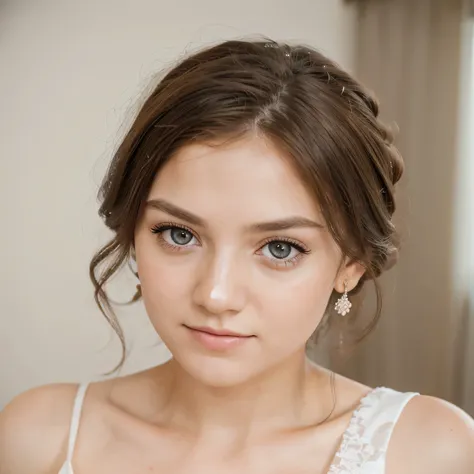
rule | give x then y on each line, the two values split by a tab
315	112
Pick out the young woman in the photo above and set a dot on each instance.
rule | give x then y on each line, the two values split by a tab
254	194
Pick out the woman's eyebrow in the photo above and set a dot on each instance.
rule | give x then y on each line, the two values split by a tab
175	211
270	226
284	224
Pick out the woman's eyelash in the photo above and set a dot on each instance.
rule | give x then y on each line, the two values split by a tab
159	228
297	245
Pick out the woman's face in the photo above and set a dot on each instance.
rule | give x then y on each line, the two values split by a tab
230	242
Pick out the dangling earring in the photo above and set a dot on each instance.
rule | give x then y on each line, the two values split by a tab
343	305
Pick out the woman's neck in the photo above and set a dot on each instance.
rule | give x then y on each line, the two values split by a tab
296	394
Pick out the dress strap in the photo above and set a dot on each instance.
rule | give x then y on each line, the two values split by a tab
76	416
365	442
380	413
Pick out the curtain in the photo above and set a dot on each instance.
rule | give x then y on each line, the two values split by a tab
410	53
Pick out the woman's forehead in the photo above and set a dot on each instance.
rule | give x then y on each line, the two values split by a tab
246	175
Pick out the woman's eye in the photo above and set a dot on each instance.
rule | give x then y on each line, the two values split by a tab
174	236
178	236
280	250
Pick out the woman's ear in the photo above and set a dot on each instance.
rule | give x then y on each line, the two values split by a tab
350	273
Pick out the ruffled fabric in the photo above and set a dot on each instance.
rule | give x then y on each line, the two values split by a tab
364	445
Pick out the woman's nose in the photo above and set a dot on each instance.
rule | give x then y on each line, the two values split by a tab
220	286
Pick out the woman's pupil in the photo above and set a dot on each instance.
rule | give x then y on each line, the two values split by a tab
280	249
181	236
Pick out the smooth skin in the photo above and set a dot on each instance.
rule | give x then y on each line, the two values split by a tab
231	240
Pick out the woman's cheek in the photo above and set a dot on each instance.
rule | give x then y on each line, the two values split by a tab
292	317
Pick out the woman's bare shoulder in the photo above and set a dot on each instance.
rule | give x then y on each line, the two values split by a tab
432	436
33	429
34	426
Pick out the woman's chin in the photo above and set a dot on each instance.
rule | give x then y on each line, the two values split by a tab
218	372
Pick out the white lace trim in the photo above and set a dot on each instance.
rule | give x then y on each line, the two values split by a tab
360	445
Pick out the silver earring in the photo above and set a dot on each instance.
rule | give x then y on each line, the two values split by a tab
343	305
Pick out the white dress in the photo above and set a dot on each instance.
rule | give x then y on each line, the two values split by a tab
364	444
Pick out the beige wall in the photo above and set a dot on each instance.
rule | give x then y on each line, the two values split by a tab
71	72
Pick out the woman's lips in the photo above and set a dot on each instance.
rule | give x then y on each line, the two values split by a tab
218	339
